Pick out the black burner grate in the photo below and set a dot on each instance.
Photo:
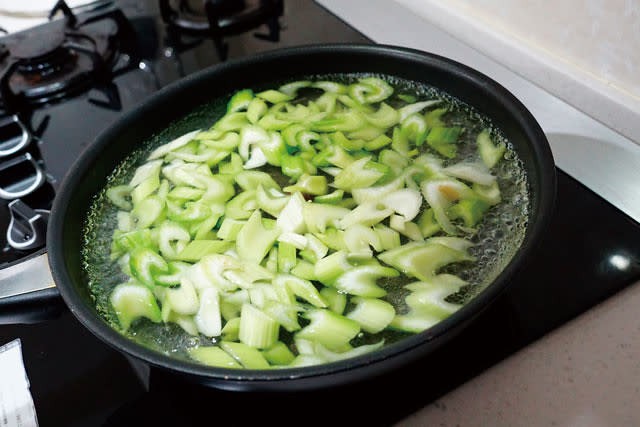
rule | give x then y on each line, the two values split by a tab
219	18
60	59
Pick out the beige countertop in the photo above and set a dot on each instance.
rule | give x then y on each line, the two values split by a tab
586	373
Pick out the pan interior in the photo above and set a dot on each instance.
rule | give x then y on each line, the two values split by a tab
501	232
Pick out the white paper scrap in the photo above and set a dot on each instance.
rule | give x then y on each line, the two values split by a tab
16	403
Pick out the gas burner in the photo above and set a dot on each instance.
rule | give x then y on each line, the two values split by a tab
219	18
41	56
61	58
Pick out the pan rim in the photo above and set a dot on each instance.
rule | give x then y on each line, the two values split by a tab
410	347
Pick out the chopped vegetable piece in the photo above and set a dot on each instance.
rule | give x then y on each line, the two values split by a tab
317	217
358	239
271	201
251	180
422	260
196	249
439	194
428	224
302	289
230	228
172	238
292	88
184	298
385	117
316	185
291	217
361	281
278	354
286	257
231	329
119	196
414	322
231	122
430	297
377	143
469	210
330	356
389	239
208	318
490	194
248	357
472	172
405	202
328	269
285	314
415	129
362	195
414	108
254	241
145	263
336	300
370	90
241	206
444	140
273	148
131	301
240	101
331	198
331	87
368	213
400	142
358	174
167	148
256	109
490	153
148	211
213	356
372	314
329	329
408	228
274	96
256	328
434	117
407	98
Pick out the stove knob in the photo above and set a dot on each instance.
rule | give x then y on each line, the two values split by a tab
28	227
15	136
16	181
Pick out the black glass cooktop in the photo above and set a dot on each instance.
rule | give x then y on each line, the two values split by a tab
590	252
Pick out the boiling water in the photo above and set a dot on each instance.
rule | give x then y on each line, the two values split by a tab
500	234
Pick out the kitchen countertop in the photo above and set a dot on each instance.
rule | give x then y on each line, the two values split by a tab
587	371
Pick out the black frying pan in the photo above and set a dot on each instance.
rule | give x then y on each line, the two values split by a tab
88	176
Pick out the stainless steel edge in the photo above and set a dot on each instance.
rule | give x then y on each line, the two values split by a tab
27	276
597	156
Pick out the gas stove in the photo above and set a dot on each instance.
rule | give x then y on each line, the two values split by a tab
219	18
65	81
89	58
